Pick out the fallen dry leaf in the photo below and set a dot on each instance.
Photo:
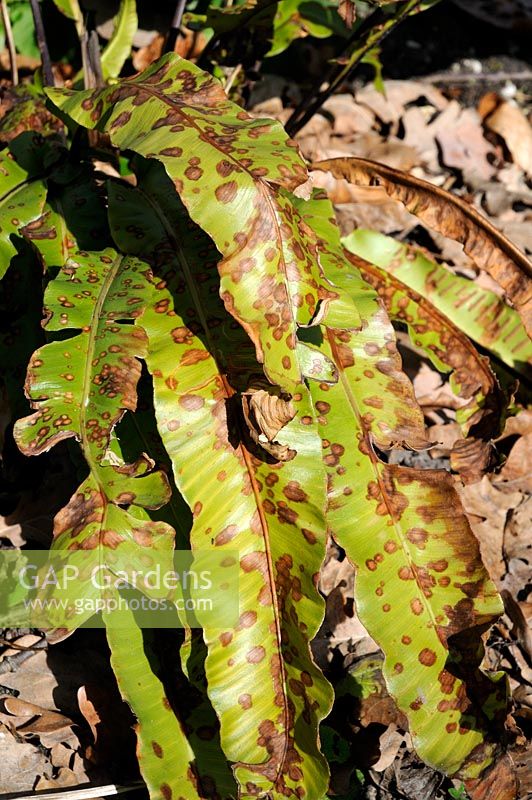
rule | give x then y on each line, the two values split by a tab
21	762
509	122
517	539
398	94
488	511
458	131
517	470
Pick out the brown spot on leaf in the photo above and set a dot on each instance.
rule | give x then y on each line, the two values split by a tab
417	606
245	701
157	749
418	536
294	492
226	193
247	620
228	533
191	402
427	657
255	655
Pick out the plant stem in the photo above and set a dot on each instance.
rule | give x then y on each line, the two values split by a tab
175	26
371	33
48	75
10	42
232	77
92	65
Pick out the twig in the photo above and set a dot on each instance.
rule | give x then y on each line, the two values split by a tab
37	646
47	72
175	27
10	42
232	77
374	19
90	59
371	33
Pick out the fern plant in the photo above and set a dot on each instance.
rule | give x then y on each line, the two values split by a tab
277	390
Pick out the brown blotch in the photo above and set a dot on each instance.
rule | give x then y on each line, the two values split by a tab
447	681
247	620
166	791
226	535
245	701
406	639
309	536
427	657
438	566
418	536
405	574
294	492
191	402
175	152
451	727
157	749
417	606
226	193
193	173
255	655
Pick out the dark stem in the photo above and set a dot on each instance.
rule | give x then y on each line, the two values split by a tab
175	27
48	75
374	30
95	58
374	19
10	43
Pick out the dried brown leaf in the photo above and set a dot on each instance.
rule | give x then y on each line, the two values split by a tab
517	471
391	107
488	511
265	416
453	217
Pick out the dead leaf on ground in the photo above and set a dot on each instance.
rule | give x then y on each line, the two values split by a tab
29	719
509	122
398	94
517	470
20	764
517	539
488	511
